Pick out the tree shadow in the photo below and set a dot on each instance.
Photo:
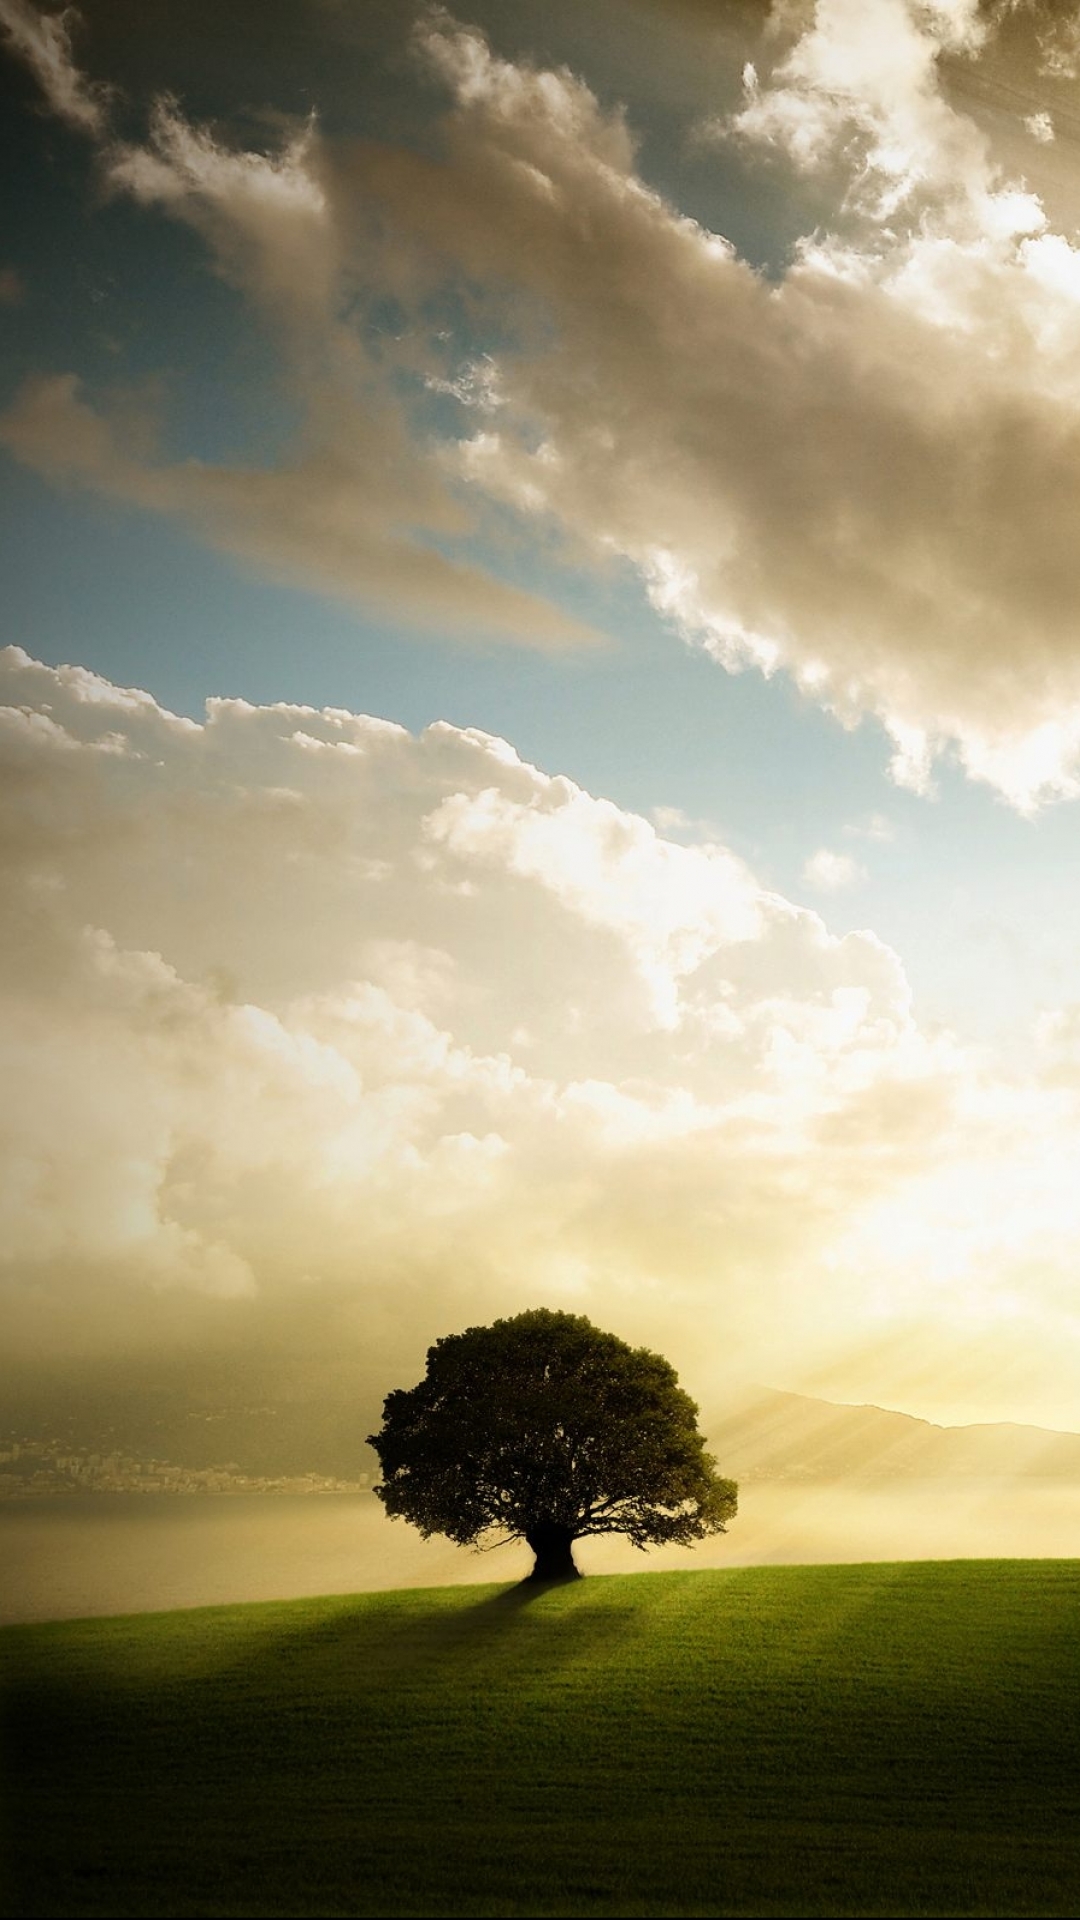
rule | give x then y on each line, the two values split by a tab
530	1625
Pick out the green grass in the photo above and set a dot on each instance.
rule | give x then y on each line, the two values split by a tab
800	1740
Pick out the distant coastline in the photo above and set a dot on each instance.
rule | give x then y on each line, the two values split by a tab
39	1469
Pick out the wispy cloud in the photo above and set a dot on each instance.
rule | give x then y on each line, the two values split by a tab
360	510
876	826
829	872
43	41
323	521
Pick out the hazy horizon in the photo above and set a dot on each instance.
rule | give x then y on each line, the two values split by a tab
110	1554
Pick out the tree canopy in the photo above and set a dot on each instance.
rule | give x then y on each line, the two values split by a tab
543	1428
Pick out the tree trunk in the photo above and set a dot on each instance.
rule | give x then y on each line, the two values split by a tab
554	1549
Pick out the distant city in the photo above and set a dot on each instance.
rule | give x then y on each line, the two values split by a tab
33	1468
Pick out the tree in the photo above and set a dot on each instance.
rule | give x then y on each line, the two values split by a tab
542	1428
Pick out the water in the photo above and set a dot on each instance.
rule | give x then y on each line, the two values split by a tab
66	1557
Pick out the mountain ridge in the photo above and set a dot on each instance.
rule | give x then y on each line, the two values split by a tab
777	1435
759	1433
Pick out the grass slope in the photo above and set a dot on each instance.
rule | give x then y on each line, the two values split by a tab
800	1740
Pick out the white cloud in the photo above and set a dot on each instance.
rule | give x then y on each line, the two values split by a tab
311	1022
829	872
604	865
861	76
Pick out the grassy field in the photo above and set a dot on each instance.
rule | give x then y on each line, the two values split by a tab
882	1739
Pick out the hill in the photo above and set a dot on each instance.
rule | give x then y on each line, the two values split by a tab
789	1436
874	1740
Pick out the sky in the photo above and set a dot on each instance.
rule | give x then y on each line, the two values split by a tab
540	711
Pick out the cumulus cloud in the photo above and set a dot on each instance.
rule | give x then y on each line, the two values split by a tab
338	1038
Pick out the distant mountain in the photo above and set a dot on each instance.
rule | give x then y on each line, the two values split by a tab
764	1435
789	1436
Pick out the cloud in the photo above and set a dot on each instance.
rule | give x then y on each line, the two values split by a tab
863	473
877	826
829	872
1059	42
322	521
43	41
861	75
264	216
1040	126
321	1039
358	508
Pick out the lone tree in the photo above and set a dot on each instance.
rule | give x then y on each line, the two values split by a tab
543	1428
